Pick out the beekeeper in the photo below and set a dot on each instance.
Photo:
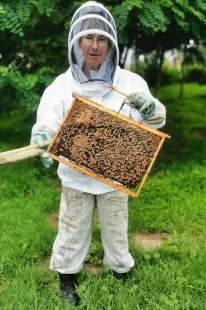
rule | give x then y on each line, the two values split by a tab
93	58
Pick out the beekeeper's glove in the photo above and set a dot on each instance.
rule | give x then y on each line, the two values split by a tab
39	138
142	102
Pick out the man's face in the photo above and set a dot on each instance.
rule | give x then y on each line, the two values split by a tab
94	48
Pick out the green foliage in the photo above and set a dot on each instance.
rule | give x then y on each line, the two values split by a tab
152	16
17	123
170	75
33	49
195	73
27	88
193	59
130	4
121	17
11	20
158	15
34	36
14	17
3	71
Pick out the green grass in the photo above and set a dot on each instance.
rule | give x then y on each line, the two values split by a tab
172	201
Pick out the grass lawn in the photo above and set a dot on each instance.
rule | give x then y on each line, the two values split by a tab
172	202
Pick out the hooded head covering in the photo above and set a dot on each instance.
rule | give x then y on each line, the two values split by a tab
93	18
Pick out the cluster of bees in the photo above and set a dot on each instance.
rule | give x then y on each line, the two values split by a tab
105	144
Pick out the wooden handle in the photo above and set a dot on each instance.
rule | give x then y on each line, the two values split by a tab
113	88
22	153
120	92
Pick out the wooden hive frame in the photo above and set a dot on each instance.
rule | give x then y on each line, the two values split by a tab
91	172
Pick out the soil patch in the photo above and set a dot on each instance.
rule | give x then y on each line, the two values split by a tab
53	218
200	132
150	241
46	262
93	269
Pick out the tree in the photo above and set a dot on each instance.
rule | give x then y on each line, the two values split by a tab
159	25
33	40
33	37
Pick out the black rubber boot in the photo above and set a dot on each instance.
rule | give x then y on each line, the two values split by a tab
68	290
121	276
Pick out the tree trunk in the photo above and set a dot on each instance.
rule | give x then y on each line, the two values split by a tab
182	69
125	57
122	55
160	57
181	93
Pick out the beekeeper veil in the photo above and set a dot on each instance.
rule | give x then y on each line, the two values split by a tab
93	18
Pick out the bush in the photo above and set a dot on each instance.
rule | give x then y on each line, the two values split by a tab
170	75
196	73
23	90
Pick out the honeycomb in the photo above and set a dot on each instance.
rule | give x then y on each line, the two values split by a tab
105	144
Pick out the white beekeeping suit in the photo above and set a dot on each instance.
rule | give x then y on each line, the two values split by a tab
82	193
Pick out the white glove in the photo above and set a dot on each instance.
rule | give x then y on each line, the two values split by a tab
39	138
144	103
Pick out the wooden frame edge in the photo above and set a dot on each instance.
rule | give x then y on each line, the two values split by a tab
60	126
93	174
